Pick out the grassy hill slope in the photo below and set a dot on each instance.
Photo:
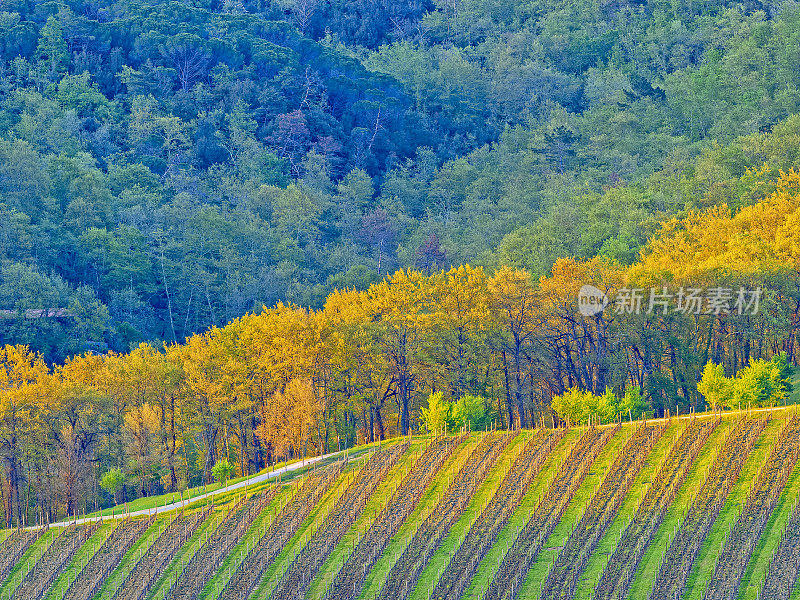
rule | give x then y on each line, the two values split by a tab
243	537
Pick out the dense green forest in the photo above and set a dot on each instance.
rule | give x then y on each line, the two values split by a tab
168	166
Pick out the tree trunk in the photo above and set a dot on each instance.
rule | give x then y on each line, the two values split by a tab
13	484
509	403
258	449
379	422
518	395
371	424
403	392
173	449
210	438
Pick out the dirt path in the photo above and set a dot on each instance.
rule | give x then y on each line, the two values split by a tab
181	504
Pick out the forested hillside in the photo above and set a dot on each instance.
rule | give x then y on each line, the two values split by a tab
237	233
166	167
448	351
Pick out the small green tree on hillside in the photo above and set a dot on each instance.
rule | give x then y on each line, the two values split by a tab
222	471
437	414
715	387
605	407
785	372
569	405
51	53
112	482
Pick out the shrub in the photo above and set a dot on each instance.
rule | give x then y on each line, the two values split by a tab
761	383
473	412
112	482
632	405
436	416
222	471
579	407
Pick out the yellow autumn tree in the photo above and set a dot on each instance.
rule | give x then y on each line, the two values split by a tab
457	335
142	425
19	369
76	417
400	309
207	394
288	423
514	305
359	378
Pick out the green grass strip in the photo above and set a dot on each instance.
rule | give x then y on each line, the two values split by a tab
451	542
602	554
703	568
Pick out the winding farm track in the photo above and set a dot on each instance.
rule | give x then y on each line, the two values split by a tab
677	563
240	486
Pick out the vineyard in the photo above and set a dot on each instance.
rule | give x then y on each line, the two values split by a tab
703	507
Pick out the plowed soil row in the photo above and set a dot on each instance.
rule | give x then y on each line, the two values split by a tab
637	537
682	552
526	547
406	571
